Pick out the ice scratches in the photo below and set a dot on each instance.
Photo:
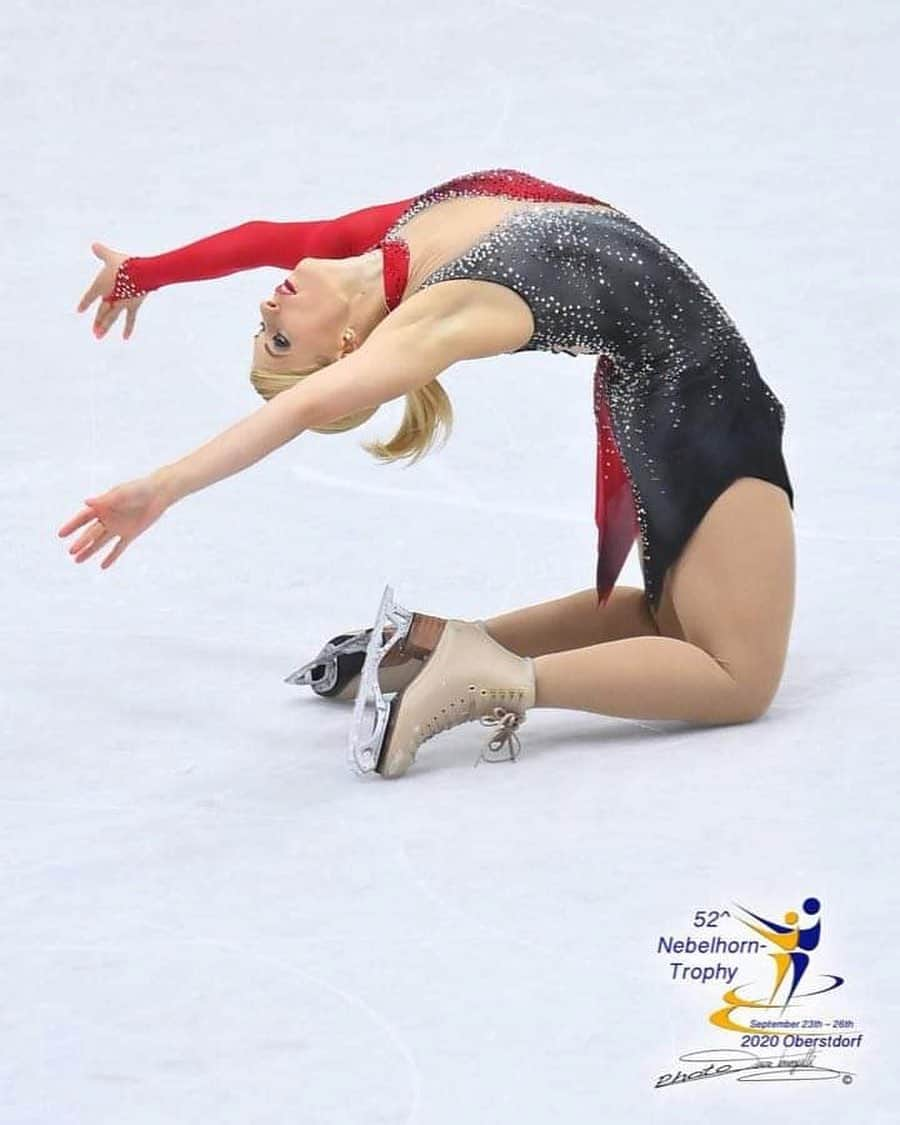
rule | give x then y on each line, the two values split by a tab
349	998
360	486
503	936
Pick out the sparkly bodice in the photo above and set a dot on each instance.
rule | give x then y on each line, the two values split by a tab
551	257
597	283
507	183
681	408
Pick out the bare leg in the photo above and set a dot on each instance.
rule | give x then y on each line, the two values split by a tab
731	597
573	621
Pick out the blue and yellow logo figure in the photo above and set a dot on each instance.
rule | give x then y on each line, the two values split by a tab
794	944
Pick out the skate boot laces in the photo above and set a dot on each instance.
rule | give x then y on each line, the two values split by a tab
507	722
464	708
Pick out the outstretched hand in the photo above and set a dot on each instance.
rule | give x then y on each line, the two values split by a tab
108	311
124	511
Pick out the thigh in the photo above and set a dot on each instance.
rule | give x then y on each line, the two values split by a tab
731	591
573	621
664	616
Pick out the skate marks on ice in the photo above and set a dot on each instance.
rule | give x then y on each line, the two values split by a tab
512	538
175	1065
351	999
462	496
505	938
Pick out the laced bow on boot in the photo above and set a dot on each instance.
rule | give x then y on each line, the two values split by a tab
507	722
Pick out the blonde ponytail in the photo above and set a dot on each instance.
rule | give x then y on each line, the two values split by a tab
427	410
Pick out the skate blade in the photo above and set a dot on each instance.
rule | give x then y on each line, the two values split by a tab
328	661
372	709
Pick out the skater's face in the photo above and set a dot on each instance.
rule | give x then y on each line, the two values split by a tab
301	322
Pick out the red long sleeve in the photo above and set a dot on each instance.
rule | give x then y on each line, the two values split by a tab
259	243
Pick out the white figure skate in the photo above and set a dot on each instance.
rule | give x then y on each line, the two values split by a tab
465	674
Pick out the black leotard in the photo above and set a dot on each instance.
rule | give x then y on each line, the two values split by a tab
676	388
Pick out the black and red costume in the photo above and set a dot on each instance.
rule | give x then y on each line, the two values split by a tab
680	407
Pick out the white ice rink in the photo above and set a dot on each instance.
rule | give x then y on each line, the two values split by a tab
205	917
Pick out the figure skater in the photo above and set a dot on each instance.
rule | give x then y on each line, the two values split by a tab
689	456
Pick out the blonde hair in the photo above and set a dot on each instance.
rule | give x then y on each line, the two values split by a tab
427	409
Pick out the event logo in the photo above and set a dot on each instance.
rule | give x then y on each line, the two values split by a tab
765	1012
795	943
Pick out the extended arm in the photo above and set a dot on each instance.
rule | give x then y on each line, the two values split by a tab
396	358
258	243
409	348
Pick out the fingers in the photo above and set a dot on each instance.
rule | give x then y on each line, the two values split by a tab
114	554
94	289
94	532
107	314
77	521
88	299
93	539
110	311
90	542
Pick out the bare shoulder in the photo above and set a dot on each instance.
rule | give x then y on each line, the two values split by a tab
471	318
